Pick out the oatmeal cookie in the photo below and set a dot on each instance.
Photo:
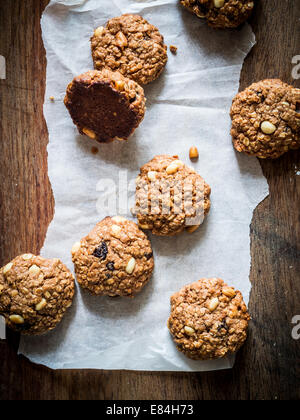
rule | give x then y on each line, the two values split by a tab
266	119
130	45
209	320
105	105
35	293
114	259
221	13
170	197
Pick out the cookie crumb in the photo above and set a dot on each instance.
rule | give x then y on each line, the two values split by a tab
194	154
95	150
173	49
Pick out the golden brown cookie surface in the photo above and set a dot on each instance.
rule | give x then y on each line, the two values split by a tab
266	119
114	259
170	197
131	45
221	13
35	293
105	105
208	320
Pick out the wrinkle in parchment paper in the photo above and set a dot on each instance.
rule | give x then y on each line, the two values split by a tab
189	105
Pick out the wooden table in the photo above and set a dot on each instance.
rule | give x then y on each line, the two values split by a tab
268	365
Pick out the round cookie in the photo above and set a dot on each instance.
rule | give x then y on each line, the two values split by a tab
266	119
209	320
221	13
105	105
170	197
132	46
114	259
35	293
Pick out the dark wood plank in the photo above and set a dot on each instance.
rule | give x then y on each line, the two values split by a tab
26	199
267	367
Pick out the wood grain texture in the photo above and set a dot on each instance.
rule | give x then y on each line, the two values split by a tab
268	366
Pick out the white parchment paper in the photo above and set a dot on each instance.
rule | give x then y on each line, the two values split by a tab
189	105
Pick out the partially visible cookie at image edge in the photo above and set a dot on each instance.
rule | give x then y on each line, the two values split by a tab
131	45
209	320
35	293
105	105
266	119
221	13
114	259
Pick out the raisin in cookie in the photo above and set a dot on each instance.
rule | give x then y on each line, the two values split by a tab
170	197
221	13
35	293
114	259
130	45
209	320
105	105
266	119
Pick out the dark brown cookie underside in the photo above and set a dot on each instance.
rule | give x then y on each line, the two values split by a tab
102	109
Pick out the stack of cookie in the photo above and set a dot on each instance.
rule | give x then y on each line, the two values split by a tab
208	318
108	103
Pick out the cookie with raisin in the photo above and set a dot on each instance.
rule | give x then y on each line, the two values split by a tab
170	197
114	259
266	119
208	320
221	13
132	46
35	293
105	105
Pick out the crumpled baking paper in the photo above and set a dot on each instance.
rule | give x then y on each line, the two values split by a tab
189	105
